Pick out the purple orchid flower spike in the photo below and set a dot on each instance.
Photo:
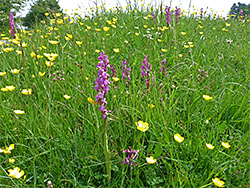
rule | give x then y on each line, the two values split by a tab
132	154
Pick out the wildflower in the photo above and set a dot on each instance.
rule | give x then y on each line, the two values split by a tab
32	54
145	72
18	112
180	55
97	51
151	105
12	25
163	68
207	97
106	29
92	101
132	154
2	73
53	42
178	138
115	79
226	145
11	161
41	74
39	56
126	71
10	88
26	91
229	41
116	50
183	33
16	173
163	50
66	97
150	160
210	146
49	63
142	126
201	33
219	183
168	13
78	42
177	14
102	84
15	71
159	40
7	150
137	34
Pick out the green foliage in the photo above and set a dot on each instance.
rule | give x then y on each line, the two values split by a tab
38	10
235	9
5	7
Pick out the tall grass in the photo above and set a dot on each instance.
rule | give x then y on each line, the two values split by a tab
61	139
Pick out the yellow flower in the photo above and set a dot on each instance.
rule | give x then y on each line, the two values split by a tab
150	160
183	33
2	73
78	42
151	105
46	14
16	173
210	146
178	138
186	46
98	29
201	33
8	49
67	38
219	183
24	45
11	161
4	89
49	63
142	126
53	42
137	34
92	101
18	112
41	74
19	52
116	50
180	55
115	79
228	24
126	41
97	51
7	150
226	145
106	29
26	91
163	50
10	88
66	97
69	35
42	21
88	27
32	54
15	71
207	97
159	40
39	56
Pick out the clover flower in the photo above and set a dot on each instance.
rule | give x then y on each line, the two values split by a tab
177	14
145	72
168	13
102	84
126	71
132	154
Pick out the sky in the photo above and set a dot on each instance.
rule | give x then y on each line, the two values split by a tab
221	6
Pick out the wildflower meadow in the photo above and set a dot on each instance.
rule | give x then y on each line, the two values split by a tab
140	96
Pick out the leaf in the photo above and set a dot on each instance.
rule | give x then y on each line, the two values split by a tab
158	151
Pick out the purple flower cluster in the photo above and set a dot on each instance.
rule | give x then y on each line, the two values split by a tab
241	13
201	12
177	14
168	13
126	71
163	68
132	154
102	84
145	72
113	70
12	25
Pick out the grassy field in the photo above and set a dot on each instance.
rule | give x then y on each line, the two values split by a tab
176	97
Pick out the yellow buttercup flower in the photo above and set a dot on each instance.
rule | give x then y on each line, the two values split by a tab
41	74
163	50
26	91
97	51
106	29
7	150
11	161
219	183
180	55
15	71
2	73
178	138
92	101
151	105
226	145
207	97
39	56
183	33
16	173
116	50
49	63
53	42
115	79
142	126
150	160
10	88
137	34
78	42
66	97
33	54
18	112
210	146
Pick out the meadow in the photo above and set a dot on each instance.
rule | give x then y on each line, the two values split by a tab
136	97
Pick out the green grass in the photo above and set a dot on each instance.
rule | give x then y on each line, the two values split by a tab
62	140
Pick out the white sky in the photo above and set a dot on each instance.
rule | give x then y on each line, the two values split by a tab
216	5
